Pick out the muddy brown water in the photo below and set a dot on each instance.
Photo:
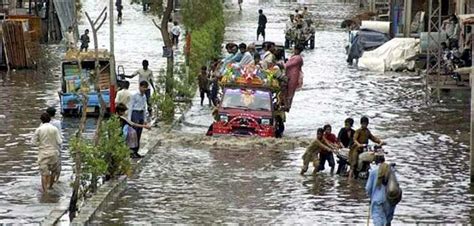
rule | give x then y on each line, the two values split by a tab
247	183
251	182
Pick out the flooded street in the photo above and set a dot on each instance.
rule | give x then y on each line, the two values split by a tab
254	184
428	142
24	95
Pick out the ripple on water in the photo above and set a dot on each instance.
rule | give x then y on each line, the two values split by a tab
230	184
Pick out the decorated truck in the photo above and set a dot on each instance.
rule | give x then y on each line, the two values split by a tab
77	70
250	104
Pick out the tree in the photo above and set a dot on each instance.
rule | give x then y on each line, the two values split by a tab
77	143
77	152
95	26
165	15
205	19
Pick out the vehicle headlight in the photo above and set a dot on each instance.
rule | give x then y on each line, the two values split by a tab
265	121
224	118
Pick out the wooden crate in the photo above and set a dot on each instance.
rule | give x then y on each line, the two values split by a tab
13	35
34	25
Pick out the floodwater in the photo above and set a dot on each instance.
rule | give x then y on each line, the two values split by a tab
24	95
253	182
246	183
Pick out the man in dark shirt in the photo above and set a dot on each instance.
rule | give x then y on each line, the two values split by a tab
347	133
203	81
119	6
262	22
85	40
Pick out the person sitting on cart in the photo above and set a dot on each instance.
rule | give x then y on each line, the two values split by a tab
268	57
232	50
361	139
247	57
305	12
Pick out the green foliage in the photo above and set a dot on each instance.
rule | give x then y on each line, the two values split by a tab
166	106
185	86
112	144
93	162
156	7
197	13
205	20
111	157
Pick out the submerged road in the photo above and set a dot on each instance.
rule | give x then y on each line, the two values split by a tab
427	141
185	184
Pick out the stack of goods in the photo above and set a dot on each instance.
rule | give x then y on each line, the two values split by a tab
72	78
251	75
104	78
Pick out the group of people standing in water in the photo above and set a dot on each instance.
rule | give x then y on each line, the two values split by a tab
322	149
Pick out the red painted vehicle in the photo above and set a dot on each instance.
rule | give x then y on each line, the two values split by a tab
249	108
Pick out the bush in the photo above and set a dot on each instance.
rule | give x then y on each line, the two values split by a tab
111	157
205	20
112	144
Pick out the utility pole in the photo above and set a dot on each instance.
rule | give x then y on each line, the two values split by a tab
113	77
471	81
111	21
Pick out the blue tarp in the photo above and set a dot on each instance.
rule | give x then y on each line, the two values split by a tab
366	40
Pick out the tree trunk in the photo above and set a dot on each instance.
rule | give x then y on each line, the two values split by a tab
102	108
77	155
169	45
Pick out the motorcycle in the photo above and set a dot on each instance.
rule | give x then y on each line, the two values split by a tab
342	162
366	157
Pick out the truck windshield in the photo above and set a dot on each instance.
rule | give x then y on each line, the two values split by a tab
247	99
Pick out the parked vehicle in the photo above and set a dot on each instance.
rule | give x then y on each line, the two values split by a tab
78	69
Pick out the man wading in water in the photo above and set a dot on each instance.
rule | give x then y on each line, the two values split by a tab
48	139
312	152
262	22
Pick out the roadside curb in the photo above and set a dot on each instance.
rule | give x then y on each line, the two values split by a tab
106	192
111	189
